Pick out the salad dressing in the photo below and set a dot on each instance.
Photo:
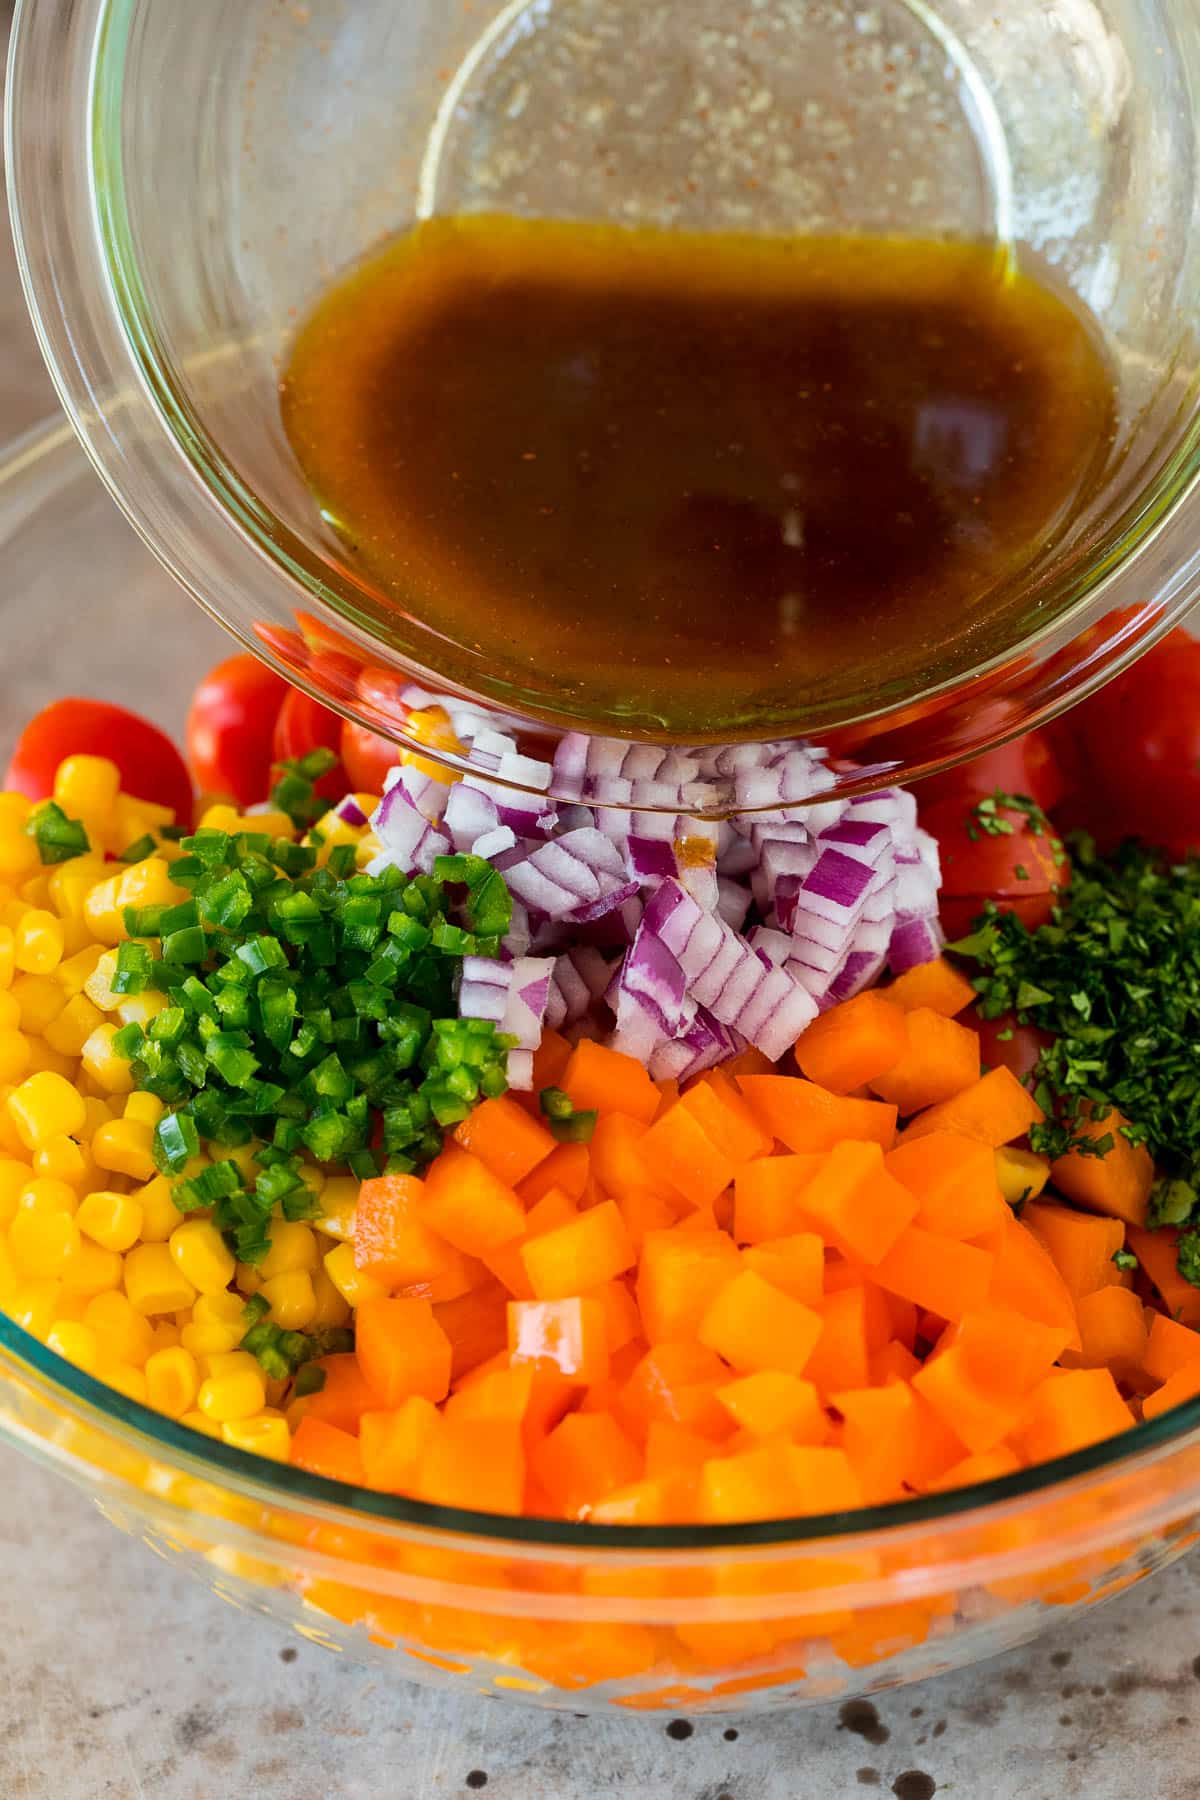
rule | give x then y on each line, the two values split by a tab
698	483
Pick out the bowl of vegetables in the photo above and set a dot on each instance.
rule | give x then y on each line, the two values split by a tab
378	1243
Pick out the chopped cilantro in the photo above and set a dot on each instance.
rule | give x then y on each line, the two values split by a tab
1125	1259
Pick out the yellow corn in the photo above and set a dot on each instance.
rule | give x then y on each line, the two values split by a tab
10	1137
235	1390
86	787
1020	1174
153	1283
352	1284
267	1435
15	1056
98	985
40	998
292	1300
9	1279
200	1253
114	1221
196	1421
10	1012
75	971
144	1109
35	1305
38	942
339	1203
124	1335
70	1031
332	1309
44	1194
241	1155
43	1243
14	1176
44	1060
125	1147
62	1159
160	1215
18	852
172	1382
8	961
127	1380
75	1342
293	1246
106	1067
216	1326
68	887
139	1009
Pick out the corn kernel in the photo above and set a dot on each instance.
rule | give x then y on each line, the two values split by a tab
69	884
14	1176
153	1283
10	1137
1020	1174
40	998
127	1380
45	1061
8	961
339	1203
196	1421
62	1159
74	1025
202	1256
139	1009
38	943
106	1067
125	1147
234	1392
264	1436
104	913
353	1284
75	971
160	1215
172	1382
165	1334
292	1300
86	785
18	852
10	1012
248	1279
15	1056
125	1336
43	1243
44	1194
98	1113
332	1311
9	1279
144	1109
240	1155
148	883
114	1221
35	1306
216	1325
98	985
74	1342
44	1106
92	1270
293	1246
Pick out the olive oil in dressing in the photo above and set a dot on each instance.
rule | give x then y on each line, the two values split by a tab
694	484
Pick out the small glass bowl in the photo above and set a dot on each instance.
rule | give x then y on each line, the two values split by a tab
212	167
785	1613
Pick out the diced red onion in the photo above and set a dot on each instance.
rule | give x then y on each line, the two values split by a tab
350	812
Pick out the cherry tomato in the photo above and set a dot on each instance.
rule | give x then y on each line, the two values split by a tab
151	767
1138	752
1021	868
303	724
231	729
366	758
1018	1050
1025	765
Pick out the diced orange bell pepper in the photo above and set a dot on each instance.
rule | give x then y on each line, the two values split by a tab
895	1362
468	1206
767	1196
617	1160
777	1481
624	1321
601	1080
953	1180
1068	1411
1006	1351
476	1325
795	1265
989	1466
644	1211
1157	1253
584	1459
980	1417
502	1394
673	1449
877	1436
855	1204
1169	1347
402	1350
949	1277
507	1263
721	1111
582	1254
842	1355
677	1384
937	985
346	1395
806	1117
475	1464
1112	1325
754	1326
505	1139
939	1060
677	1150
1025	1279
1183	1385
323	1449
1081	1245
566	1170
549	1061
679	1275
853	1043
935	1447
1117	1183
393	1443
561	1337
773	1403
995	1109
394	1244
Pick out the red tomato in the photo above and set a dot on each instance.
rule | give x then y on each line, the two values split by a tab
151	767
1019	869
1025	765
1018	1052
231	729
1138	751
366	758
304	724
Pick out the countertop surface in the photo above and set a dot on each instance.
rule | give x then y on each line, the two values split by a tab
119	1678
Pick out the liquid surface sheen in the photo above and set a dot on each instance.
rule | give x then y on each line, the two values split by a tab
694	483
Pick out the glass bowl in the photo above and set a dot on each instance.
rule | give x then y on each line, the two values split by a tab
779	1614
212	167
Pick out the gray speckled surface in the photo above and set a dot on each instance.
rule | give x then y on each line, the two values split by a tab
119	1679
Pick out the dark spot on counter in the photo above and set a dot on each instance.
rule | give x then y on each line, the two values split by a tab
1071	1689
867	1777
1072	1756
1060	1659
1018	1681
914	1784
1098	1693
860	1717
1065	1719
916	1712
282	1719
680	1730
731	1736
939	1728
477	1778
288	1654
1196	1667
194	1727
1183	1719
985	1710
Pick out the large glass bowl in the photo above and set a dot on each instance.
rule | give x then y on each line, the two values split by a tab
211	166
778	1614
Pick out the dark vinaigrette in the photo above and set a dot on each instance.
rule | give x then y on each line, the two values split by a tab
694	483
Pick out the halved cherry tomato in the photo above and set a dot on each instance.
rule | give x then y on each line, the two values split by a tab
231	729
1025	765
1003	1043
303	724
1021	868
1137	744
366	758
151	767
